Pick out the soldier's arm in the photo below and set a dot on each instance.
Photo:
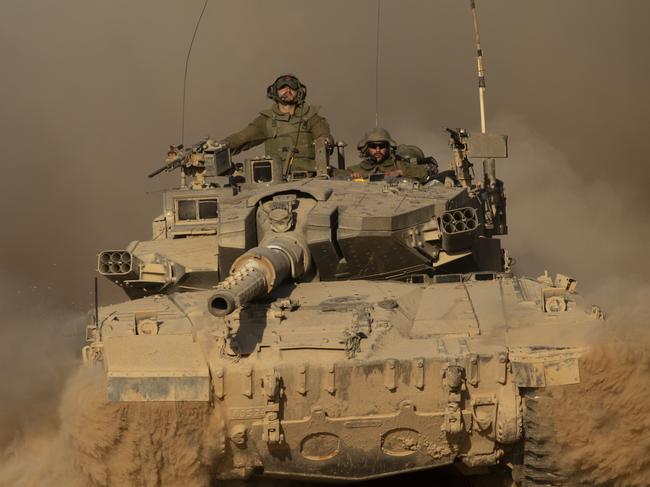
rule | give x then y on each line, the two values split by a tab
356	171
320	127
249	137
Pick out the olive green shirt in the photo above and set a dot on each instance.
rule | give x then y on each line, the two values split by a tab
287	137
368	167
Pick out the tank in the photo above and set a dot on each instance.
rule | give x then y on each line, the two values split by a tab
342	330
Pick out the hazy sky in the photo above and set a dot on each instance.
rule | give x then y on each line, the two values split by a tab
90	96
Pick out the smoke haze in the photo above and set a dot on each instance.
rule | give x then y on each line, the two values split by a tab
90	97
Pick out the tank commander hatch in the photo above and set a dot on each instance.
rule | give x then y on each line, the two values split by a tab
288	129
379	155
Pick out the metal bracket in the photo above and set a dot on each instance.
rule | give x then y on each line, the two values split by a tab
554	300
453	421
93	353
454	376
390	373
472	370
302	379
271	432
219	383
502	367
418	372
331	380
247	386
488	406
271	385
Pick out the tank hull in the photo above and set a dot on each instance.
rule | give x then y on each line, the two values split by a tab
353	380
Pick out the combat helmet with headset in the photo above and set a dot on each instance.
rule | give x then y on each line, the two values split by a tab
292	82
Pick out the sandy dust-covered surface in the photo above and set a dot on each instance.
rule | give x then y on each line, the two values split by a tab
100	443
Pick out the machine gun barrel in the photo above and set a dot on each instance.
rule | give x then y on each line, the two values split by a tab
256	273
456	136
172	164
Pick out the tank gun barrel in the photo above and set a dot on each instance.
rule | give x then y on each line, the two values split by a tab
257	272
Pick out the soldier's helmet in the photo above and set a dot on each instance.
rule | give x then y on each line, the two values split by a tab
292	82
409	152
377	134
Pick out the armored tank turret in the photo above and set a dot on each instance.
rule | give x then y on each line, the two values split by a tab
348	330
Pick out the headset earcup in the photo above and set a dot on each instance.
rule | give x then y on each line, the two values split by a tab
270	91
302	93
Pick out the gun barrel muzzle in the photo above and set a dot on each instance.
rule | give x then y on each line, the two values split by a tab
224	301
254	274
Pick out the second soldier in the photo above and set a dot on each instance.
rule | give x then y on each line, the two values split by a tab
377	150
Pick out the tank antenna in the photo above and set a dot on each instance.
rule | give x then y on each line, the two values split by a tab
96	296
377	66
479	63
187	63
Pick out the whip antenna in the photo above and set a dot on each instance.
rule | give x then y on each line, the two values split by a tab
479	63
96	303
377	66
187	63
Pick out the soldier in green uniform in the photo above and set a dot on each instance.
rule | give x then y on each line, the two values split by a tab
288	129
377	149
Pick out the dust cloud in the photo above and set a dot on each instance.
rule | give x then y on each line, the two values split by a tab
38	341
90	98
574	223
99	443
56	424
600	425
